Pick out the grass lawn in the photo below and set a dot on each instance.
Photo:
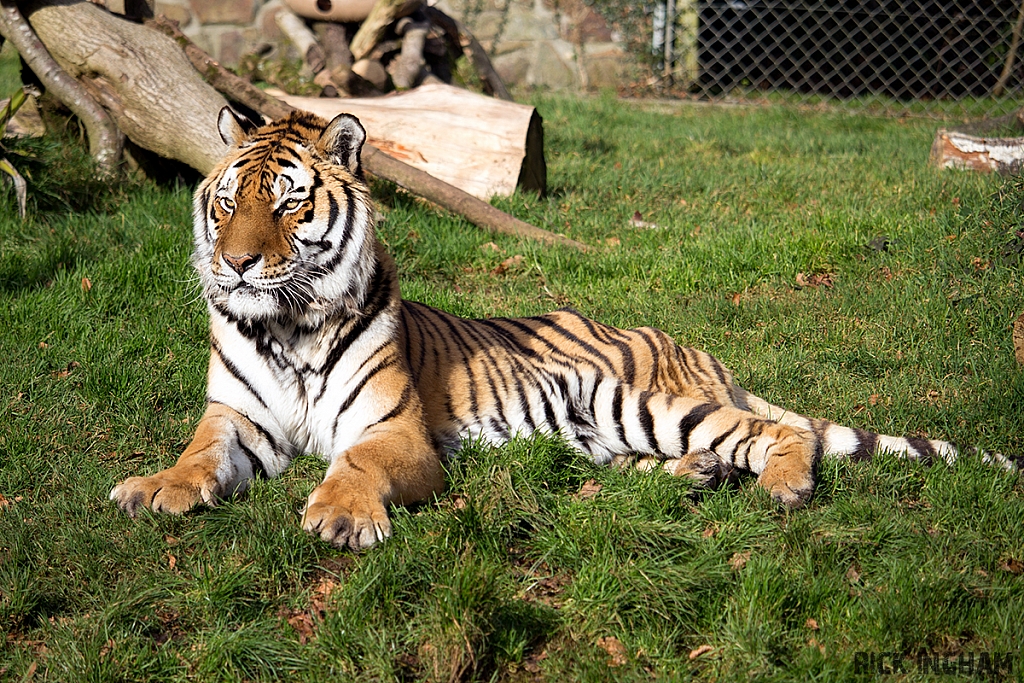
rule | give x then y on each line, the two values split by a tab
536	565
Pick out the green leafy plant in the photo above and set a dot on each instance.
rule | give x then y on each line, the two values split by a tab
18	98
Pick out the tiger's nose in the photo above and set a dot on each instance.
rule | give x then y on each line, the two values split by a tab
242	263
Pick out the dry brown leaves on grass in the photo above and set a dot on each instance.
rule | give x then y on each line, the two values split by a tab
615	649
815	280
589	489
738	560
305	621
507	264
8	502
1012	565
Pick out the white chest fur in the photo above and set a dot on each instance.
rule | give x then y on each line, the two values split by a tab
307	387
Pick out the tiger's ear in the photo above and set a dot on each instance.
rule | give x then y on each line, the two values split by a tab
342	141
234	129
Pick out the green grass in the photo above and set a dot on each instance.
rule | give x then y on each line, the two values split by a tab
513	575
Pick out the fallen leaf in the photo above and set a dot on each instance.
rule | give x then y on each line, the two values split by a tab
736	299
814	280
1012	565
589	489
708	532
873	399
61	374
172	561
698	651
738	560
511	261
853	574
86	284
43	345
813	642
886	273
30	672
615	649
490	245
532	663
613	241
303	624
4	502
170	540
811	623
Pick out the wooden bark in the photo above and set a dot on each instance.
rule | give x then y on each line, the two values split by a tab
302	38
408	67
954	149
154	94
478	212
383	14
481	145
238	89
473	51
105	140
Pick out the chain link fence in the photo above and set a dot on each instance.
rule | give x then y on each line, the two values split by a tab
948	57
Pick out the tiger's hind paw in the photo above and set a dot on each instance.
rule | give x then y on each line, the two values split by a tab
789	486
705	467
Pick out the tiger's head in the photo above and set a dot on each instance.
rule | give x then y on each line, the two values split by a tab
284	225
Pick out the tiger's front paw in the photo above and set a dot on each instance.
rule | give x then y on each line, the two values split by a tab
168	491
345	519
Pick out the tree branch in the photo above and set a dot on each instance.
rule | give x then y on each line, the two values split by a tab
106	142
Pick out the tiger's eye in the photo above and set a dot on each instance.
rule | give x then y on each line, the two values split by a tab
291	204
227	203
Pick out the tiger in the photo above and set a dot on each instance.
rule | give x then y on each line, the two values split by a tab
313	350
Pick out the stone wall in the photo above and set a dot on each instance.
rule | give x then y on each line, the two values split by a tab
542	43
553	44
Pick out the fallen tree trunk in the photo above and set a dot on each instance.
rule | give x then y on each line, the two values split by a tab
151	90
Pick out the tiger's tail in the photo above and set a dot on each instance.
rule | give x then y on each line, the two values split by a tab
838	441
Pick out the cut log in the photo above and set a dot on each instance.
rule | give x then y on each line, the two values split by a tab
484	146
954	149
407	68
